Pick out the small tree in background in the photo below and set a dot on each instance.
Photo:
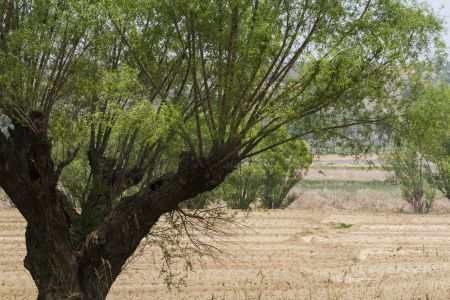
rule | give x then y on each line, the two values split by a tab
429	127
267	178
243	187
421	160
283	169
407	165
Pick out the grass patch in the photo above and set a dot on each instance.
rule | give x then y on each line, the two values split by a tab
346	167
343	225
340	225
348	185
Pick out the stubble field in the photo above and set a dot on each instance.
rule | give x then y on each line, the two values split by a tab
288	254
342	244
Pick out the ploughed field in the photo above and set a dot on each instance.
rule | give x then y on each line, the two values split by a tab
283	254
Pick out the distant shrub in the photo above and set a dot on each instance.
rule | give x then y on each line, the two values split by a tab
267	179
420	160
407	165
263	181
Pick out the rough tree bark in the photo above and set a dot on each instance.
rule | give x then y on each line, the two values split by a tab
64	264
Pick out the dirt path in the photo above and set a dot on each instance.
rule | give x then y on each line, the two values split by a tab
288	254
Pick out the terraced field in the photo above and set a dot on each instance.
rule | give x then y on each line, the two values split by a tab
289	254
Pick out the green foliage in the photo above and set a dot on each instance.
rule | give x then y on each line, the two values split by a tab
429	127
283	169
243	186
407	165
343	225
420	160
192	76
267	177
37	39
144	64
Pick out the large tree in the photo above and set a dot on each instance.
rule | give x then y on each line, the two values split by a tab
109	92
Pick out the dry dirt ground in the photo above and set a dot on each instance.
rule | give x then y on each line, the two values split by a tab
289	254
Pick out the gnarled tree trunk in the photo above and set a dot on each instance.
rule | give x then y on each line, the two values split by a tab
63	263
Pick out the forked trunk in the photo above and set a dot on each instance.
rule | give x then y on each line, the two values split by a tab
65	266
64	263
62	269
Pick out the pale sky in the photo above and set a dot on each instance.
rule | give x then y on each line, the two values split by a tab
442	8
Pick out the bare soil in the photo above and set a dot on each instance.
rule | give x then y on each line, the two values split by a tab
318	173
288	254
